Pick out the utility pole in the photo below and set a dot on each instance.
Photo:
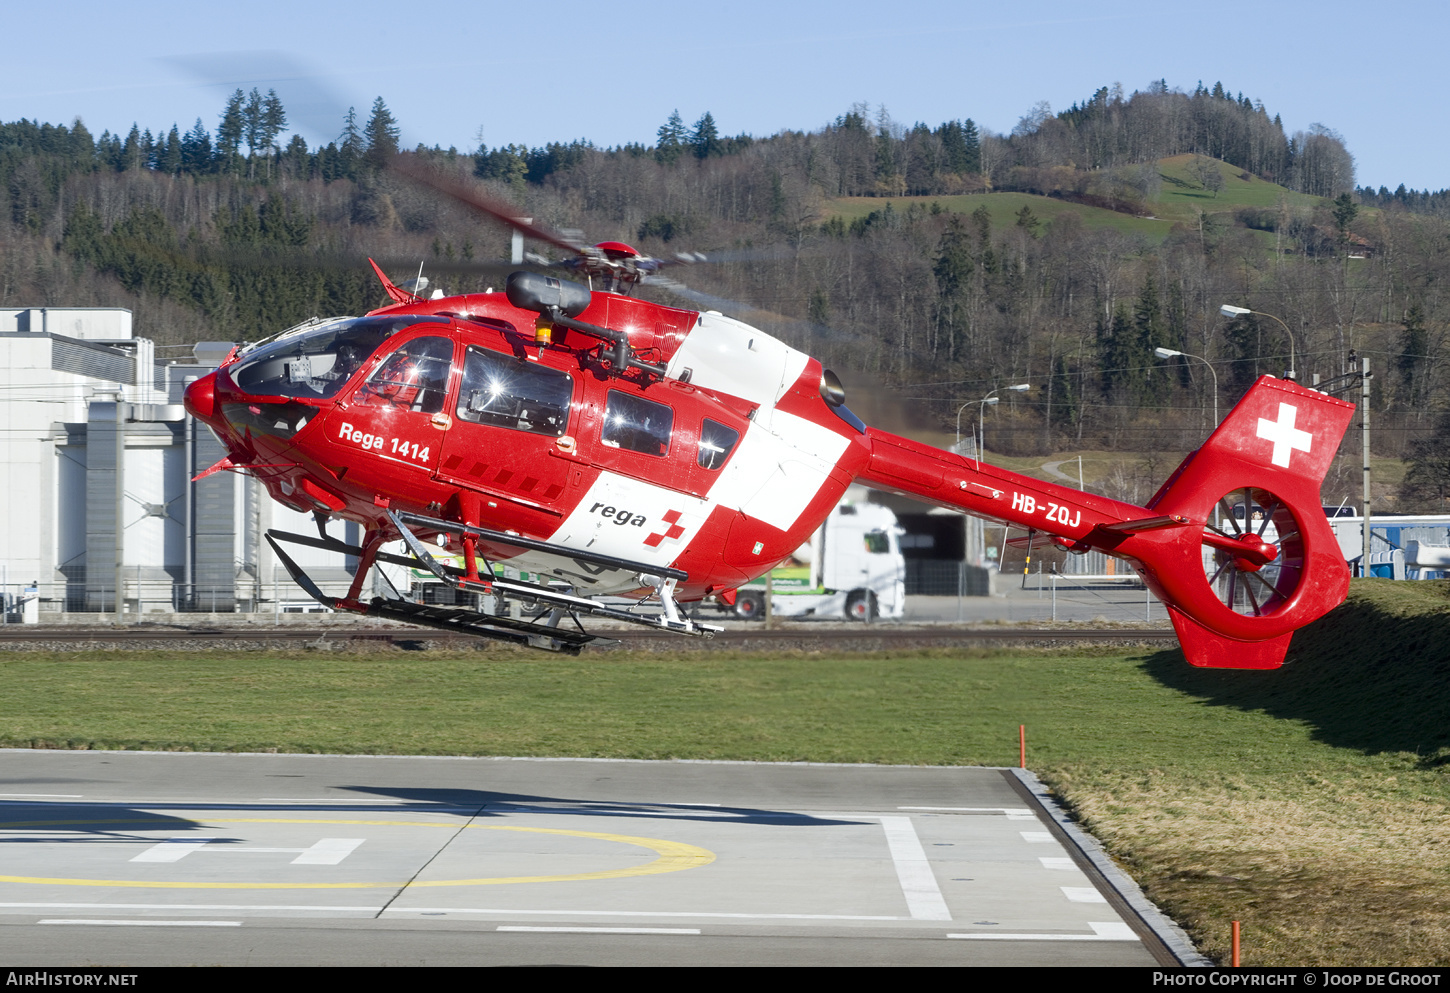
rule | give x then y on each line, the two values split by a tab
1364	444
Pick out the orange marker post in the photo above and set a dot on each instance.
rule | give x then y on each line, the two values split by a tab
1022	744
1236	945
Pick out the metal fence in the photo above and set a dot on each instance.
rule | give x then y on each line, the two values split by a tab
935	577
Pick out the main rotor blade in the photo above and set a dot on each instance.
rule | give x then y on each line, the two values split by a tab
470	195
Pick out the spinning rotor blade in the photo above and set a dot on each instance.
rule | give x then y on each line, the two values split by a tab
471	196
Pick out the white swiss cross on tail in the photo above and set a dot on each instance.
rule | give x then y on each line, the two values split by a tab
1284	434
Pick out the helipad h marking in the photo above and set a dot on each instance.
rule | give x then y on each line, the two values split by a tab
673	857
328	851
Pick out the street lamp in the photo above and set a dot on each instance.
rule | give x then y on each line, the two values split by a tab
1169	353
982	405
963	407
990	400
1229	310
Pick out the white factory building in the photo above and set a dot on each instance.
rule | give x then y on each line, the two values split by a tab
184	546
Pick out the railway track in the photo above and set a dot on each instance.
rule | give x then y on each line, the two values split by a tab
797	637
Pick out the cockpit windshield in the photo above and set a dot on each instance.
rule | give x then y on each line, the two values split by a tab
312	362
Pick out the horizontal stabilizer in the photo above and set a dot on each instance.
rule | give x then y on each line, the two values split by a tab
1036	540
1146	524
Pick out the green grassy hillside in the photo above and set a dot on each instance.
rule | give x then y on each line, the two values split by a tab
1181	198
1004	208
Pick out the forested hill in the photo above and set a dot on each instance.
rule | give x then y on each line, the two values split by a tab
943	259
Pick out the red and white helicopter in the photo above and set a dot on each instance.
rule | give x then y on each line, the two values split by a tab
627	449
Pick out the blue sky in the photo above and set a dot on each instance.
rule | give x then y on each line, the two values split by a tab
453	71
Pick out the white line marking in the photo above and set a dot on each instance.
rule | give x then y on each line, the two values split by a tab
1036	837
584	806
328	851
1014	813
1113	930
46	796
172	850
182	906
500	912
359	801
600	930
149	923
1103	931
1083	894
507	912
918	882
1055	862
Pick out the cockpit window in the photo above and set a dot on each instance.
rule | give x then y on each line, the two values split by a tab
716	442
314	362
415	377
637	424
506	392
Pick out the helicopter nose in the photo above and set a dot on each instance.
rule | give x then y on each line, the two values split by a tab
200	398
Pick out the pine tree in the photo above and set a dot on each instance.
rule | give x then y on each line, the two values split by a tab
232	129
1066	409
131	153
1027	221
382	135
670	139
1151	334
953	272
196	154
1119	357
252	122
1427	482
229	132
705	138
351	142
273	121
168	153
1414	358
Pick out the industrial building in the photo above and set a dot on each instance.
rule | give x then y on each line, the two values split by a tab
82	397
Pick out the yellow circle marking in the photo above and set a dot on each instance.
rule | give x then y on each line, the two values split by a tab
673	856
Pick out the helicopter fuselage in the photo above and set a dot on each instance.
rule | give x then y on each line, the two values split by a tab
459	408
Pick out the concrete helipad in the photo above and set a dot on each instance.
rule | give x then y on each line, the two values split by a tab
289	859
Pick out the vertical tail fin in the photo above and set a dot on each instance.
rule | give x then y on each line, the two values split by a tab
1264	561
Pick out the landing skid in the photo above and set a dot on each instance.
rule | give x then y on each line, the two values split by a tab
547	633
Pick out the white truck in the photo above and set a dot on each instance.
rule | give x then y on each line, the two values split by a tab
852	568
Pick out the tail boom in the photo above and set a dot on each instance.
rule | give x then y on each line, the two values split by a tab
1225	584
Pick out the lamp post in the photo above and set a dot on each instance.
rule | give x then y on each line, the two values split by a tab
1169	353
963	407
988	401
1229	310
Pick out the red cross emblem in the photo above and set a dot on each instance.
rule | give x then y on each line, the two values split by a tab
673	531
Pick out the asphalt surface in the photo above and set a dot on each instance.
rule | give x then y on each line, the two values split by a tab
145	859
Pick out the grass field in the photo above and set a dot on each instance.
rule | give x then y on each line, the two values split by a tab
1004	208
1180	200
1183	196
1310	803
